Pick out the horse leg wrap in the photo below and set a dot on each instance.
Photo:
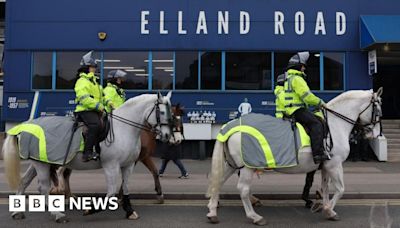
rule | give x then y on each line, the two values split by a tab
126	205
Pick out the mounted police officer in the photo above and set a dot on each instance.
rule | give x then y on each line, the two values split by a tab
89	105
280	96
298	97
114	95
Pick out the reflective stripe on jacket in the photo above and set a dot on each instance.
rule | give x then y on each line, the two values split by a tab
112	98
89	95
297	93
279	101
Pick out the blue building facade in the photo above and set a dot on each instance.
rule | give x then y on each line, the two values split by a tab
212	54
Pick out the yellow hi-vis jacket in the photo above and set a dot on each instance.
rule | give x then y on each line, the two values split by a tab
297	93
279	101
89	94
113	96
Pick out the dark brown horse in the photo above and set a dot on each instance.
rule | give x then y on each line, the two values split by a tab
61	176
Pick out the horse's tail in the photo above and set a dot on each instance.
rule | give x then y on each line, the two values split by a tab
12	163
217	169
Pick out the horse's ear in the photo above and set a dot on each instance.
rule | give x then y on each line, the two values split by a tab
169	95
159	96
379	92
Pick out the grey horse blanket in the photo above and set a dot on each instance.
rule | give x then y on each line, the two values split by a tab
266	142
46	139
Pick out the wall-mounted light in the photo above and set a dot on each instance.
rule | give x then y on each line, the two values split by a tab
386	47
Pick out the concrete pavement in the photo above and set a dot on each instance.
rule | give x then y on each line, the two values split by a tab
369	180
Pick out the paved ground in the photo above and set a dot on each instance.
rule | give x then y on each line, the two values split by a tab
192	214
362	180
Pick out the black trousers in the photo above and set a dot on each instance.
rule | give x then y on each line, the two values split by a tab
92	121
310	121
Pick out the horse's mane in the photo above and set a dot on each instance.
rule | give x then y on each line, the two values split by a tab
140	98
349	95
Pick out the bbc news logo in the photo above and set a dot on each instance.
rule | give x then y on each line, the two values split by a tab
56	203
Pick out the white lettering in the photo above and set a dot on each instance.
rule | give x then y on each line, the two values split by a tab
299	23
100	203
201	23
340	23
75	203
223	22
244	22
320	24
113	203
162	29
279	19
86	201
144	22
180	24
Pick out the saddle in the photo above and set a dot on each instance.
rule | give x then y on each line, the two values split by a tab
105	128
325	127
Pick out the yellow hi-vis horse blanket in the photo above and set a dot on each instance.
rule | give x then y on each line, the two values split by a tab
46	139
266	142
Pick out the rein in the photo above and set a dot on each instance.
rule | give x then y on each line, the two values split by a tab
374	115
110	139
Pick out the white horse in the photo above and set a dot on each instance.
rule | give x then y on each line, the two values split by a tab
352	105
119	156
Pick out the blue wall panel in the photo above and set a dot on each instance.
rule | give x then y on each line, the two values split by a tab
65	26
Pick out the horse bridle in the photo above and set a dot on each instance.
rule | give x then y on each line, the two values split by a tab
147	126
157	127
375	116
177	126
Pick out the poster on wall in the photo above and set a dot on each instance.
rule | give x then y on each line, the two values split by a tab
372	62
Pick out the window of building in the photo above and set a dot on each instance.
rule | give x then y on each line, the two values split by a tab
67	67
135	64
163	70
42	70
333	71
248	71
312	70
211	71
186	70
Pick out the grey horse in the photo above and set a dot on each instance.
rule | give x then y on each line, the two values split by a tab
119	156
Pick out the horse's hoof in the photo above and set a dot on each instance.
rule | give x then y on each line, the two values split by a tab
18	216
316	207
213	219
62	220
257	204
160	199
334	218
134	216
261	222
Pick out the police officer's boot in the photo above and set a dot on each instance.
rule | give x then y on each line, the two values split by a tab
86	156
320	157
96	152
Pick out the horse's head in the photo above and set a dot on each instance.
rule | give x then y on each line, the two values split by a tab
160	117
371	116
177	126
